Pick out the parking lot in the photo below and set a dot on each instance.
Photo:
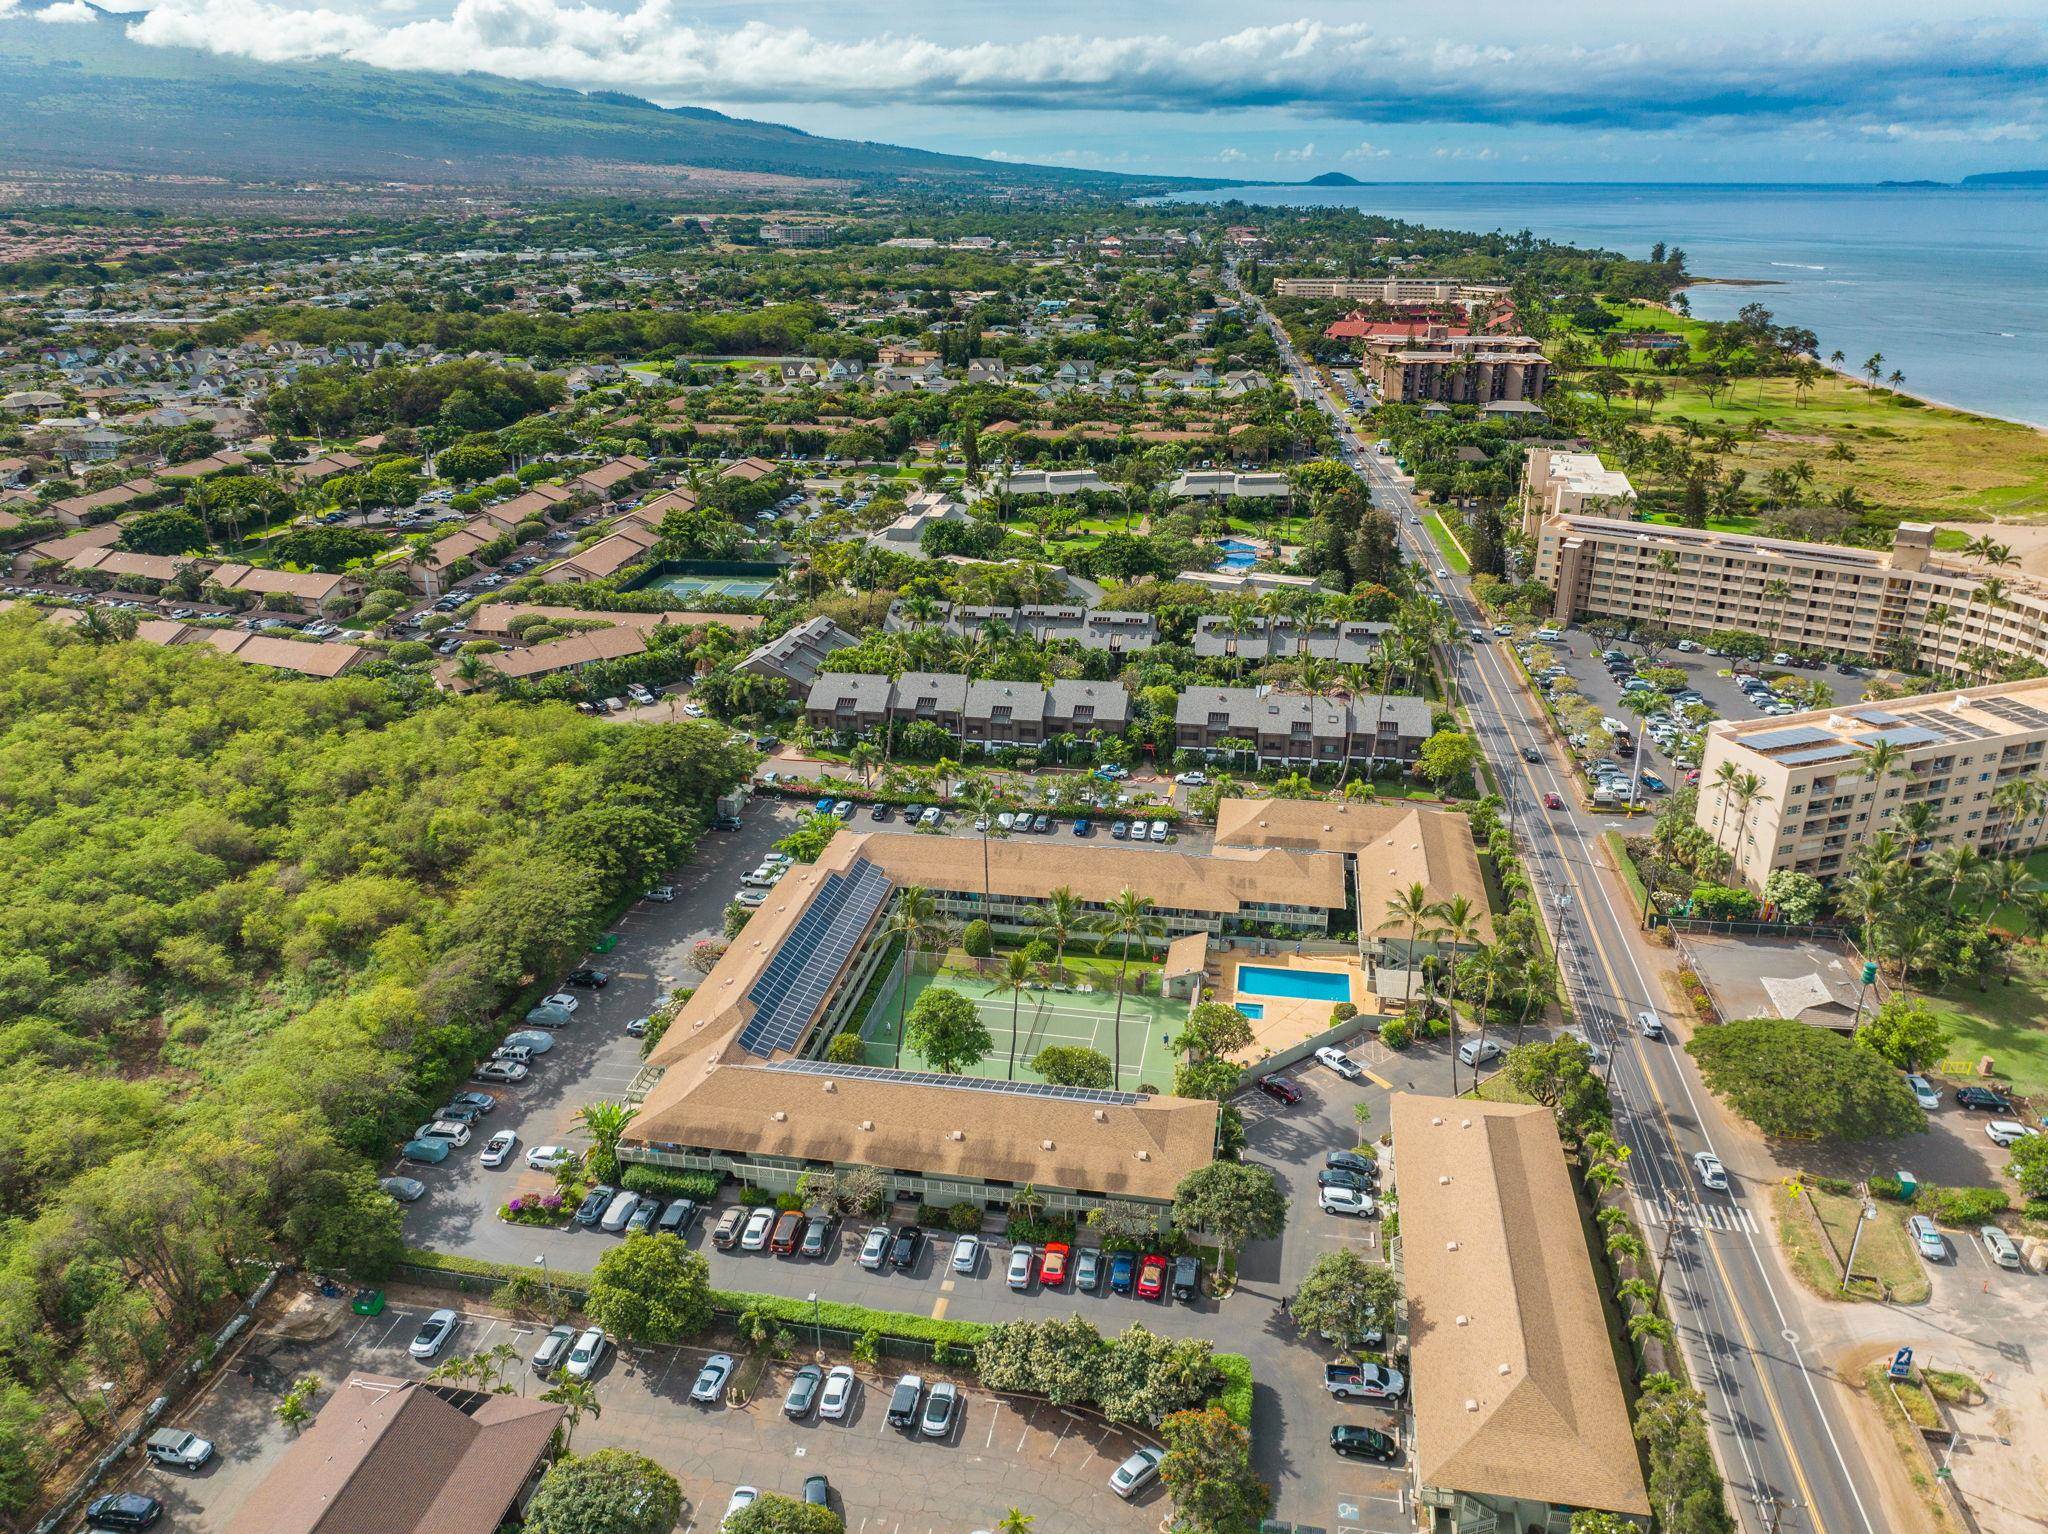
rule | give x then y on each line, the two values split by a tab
1001	1453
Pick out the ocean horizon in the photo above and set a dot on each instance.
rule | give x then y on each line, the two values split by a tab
1949	283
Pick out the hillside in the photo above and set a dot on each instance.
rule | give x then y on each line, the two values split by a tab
84	97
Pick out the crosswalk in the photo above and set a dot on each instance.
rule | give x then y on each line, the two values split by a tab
1717	1216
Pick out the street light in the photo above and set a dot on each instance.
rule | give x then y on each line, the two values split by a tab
1868	1214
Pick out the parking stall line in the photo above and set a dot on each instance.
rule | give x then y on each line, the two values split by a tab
397	1321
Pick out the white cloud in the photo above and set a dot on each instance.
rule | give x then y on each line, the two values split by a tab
1365	149
70	11
1231	156
1927	75
1295	156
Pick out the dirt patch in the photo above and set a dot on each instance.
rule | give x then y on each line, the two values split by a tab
1898	1467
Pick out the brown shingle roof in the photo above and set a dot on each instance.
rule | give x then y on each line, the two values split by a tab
285	654
389	1456
309	584
611	554
496	617
1517	1393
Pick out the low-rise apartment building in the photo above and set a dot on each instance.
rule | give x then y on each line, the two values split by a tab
1098	628
1456	370
1900	605
985	713
1800	793
1296	730
796	656
1265	640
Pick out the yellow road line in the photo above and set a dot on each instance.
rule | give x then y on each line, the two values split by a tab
1377	1079
939	1308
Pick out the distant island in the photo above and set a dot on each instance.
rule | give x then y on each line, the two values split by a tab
1333	178
2008	178
1908	185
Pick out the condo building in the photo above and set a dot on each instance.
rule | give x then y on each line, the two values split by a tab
1397	292
1815	801
1436	366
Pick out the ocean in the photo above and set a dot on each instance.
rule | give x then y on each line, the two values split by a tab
1951	285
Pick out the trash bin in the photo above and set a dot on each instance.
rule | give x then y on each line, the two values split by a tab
606	943
1909	1185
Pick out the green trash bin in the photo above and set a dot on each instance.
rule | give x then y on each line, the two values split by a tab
1909	1185
607	943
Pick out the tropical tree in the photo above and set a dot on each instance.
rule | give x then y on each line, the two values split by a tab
1458	925
948	1031
578	1399
1234	1201
604	1122
1059	918
1015	976
1127	918
915	919
1409	908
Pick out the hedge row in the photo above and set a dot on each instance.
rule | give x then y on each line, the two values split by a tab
1235	1398
671	1182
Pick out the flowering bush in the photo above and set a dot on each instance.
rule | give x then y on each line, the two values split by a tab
705	956
534	1209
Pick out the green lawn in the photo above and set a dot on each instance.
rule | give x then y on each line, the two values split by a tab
1714	524
1446	545
2007	1022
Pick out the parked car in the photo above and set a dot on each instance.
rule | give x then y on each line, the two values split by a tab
2000	1246
1052	1264
939	1406
1187	1277
1340	1062
727	1234
1371	1382
585	1355
819	1229
803	1390
482	1102
1362	1167
178	1448
1707	1167
503	1072
454	1133
1122	1267
1927	1239
874	1250
836	1400
677	1219
661	894
554	1348
1480	1051
644	1216
1087	1269
426	1152
904	1249
1137	1472
498	1149
817	1491
1982	1100
1022	1259
1923	1092
1345	1201
1341	1177
742	1497
407	1190
759	1224
904	1401
123	1510
623	1207
589	979
1280	1089
1356	1441
1151	1276
561	1001
2005	1132
967	1255
595	1203
711	1380
434	1333
549	1158
787	1234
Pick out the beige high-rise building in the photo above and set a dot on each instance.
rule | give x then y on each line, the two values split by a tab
1396	291
1815	801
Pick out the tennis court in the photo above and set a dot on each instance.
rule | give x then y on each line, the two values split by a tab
686	586
1082	1019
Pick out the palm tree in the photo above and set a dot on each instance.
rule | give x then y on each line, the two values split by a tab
983	802
1060	917
604	1122
1127	916
1776	591
1457	927
576	1397
1315	681
1879	760
915	919
1015	977
1956	865
1724	784
1410	908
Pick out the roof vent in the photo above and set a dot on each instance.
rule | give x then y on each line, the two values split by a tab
1470	1404
1443	1179
831	1086
1437	1119
1504	1370
1450	1246
867	1123
1144	1155
1464	1320
957	1134
1101	1117
1464	1123
779	1116
1045	1145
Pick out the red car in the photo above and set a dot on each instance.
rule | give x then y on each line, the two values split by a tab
1280	1087
1052	1264
1151	1276
1552	802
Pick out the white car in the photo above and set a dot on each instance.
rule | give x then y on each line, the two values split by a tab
1924	1093
561	999
1442	574
1479	1051
1345	1201
586	1355
1340	1062
504	1072
874	1251
710	1387
751	900
836	1400
661	894
1707	1167
454	1133
498	1149
2008	1131
742	1496
1192	779
693	710
761	878
547	1158
759	1223
1649	1025
1022	1257
434	1333
1136	1473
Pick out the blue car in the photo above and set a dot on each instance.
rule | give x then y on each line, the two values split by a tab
824	805
1084	828
429	1152
1121	1268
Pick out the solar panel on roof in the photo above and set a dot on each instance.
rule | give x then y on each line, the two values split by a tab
963	1083
1874	716
796	981
1778	740
1905	735
1833	753
2013	711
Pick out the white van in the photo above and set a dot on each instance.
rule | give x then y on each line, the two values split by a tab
619	1213
1548	633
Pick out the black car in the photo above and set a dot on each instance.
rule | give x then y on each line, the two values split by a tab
767	742
677	1219
595	1202
1356	1442
459	1112
1531	754
726	823
124	1510
1981	1100
818	1491
1337	1177
903	1250
1350	1161
1280	1088
818	1231
881	812
588	979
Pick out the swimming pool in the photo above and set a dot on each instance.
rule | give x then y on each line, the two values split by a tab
1250	1009
1237	554
1301	984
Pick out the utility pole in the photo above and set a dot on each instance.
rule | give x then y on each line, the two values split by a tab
1869	1213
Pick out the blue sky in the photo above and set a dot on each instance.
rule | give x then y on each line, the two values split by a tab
1820	90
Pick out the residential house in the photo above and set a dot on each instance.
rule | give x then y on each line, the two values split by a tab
1299	731
924	508
1089	628
306	590
627	544
572	652
1264	640
796	656
605	480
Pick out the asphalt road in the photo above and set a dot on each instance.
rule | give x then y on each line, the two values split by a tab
1768	1394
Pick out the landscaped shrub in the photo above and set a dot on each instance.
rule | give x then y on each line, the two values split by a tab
964	1218
1397	1033
978	939
1234	1400
669	1182
533	1209
1962	1206
1343	1012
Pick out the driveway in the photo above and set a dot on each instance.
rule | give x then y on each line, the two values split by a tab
1002	1452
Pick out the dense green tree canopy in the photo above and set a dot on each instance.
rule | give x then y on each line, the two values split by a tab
1798	1082
612	1491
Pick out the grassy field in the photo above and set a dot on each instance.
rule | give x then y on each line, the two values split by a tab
2007	1022
1885	1262
1909	457
1445	543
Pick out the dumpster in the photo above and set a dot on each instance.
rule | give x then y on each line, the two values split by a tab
606	943
368	1302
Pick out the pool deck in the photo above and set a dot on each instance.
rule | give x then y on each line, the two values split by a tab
1290	1019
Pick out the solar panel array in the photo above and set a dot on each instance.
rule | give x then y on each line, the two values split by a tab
1830	753
2013	712
963	1083
1906	735
1779	740
808	964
